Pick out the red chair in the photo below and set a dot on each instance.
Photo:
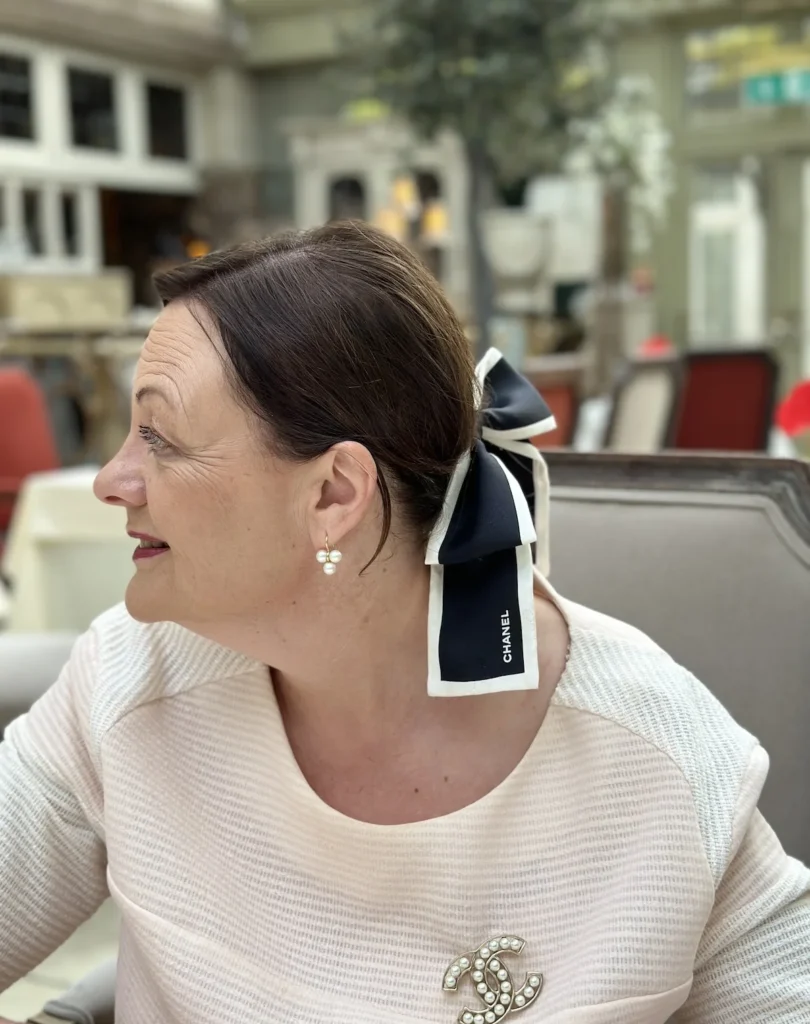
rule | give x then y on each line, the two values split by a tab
559	381
27	443
727	402
563	401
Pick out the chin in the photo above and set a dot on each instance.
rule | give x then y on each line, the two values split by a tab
144	603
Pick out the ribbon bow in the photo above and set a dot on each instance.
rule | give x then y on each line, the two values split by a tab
481	625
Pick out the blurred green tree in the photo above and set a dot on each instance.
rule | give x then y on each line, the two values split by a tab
507	76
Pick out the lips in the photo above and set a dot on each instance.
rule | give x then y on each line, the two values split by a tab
148	546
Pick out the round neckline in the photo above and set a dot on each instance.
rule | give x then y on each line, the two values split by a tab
325	810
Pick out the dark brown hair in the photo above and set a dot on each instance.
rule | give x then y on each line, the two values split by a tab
340	334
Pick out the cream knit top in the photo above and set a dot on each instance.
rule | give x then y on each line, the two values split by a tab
625	850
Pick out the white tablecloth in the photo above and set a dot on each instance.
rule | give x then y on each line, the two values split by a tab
67	555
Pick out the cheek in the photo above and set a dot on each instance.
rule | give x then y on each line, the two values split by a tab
266	517
190	506
234	523
239	518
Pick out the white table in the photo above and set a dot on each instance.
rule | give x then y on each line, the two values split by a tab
67	555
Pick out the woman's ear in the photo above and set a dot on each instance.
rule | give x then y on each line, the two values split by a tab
345	491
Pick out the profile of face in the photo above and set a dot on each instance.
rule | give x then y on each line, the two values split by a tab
196	473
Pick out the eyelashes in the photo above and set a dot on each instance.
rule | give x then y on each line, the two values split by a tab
154	441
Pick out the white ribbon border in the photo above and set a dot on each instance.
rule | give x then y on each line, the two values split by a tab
517	441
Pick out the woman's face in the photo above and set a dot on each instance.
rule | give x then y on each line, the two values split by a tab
196	474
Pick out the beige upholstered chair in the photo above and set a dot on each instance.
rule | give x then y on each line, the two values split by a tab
710	555
645	406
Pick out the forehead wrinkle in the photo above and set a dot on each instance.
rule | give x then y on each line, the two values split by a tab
171	362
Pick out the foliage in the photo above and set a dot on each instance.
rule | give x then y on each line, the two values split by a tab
508	76
628	146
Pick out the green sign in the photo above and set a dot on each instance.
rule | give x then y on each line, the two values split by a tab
783	88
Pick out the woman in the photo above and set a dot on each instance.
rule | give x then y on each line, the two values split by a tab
252	759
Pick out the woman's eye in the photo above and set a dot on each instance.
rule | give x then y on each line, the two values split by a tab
155	441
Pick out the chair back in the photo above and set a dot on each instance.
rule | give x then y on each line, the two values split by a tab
558	378
68	557
645	403
728	401
711	557
27	443
563	401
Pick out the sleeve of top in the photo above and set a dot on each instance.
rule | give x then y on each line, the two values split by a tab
52	854
753	962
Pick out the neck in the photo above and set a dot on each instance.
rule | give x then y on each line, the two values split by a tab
351	648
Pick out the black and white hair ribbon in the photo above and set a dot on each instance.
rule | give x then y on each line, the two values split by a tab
481	625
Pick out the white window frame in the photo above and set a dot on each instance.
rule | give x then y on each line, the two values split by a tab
189	94
21	52
54	258
91	66
740	219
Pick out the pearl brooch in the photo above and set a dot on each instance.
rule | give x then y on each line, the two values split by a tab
493	984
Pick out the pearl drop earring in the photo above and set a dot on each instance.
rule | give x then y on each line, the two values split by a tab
329	558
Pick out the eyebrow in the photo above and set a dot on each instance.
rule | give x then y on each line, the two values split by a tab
148	390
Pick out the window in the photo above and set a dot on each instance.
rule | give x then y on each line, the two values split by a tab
32	221
16	113
166	107
68	202
92	109
718	255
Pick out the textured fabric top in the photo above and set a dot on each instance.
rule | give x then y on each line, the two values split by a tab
625	850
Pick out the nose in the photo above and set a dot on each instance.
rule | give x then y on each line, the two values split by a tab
121	481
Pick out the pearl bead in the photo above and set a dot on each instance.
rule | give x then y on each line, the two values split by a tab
506	999
481	988
506	986
494	945
495	965
528	991
335	556
330	569
478	1018
478	976
455	970
323	556
451	982
534	981
467	1018
515	943
489	997
504	943
464	962
520	1000
503	974
479	964
500	1010
489	1016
